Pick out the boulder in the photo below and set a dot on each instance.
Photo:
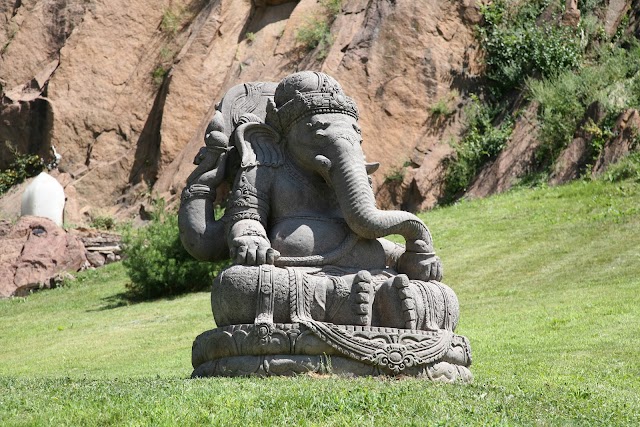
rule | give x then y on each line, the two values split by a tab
616	10
626	140
33	253
571	15
573	160
514	162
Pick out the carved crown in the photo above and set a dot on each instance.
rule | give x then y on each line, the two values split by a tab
306	93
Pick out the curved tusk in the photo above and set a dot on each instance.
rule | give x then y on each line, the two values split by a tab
371	167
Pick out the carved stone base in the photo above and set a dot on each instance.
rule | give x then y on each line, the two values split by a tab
323	348
291	365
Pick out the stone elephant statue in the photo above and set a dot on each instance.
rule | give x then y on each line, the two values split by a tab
301	223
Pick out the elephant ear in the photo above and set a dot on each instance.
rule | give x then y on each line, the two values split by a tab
258	144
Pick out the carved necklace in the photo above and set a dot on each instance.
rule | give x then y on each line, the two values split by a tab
299	179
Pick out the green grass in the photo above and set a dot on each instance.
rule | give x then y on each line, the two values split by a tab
548	280
87	330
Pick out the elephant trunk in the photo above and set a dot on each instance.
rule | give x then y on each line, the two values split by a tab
357	202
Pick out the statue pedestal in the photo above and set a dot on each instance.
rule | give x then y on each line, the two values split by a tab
265	349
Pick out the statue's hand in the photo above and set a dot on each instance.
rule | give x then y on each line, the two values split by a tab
420	266
252	250
211	168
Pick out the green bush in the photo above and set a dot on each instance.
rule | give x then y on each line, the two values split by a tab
516	47
170	22
158	75
24	166
627	168
333	7
612	79
316	32
103	222
157	263
396	174
441	109
483	141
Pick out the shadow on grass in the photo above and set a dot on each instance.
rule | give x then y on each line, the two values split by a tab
124	299
114	301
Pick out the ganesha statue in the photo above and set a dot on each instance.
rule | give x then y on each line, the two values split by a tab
314	285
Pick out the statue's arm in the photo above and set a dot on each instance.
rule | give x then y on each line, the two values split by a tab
200	233
247	213
392	252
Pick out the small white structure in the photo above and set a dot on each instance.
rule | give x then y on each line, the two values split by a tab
44	197
56	158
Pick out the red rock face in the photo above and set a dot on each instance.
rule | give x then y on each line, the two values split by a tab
128	103
513	162
124	90
627	129
33	252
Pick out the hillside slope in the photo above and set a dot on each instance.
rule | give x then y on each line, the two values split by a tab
548	285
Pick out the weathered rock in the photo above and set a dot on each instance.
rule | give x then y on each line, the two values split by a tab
514	162
616	9
573	160
101	247
420	187
34	251
96	259
11	200
470	10
120	130
25	117
626	139
571	15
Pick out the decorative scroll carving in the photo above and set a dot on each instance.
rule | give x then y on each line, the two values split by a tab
392	351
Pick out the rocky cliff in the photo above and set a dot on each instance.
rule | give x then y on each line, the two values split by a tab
123	89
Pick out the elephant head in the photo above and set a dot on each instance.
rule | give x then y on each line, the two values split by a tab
314	125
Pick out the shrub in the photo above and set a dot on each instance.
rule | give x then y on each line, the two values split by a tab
482	142
612	80
627	168
24	166
516	47
441	109
333	7
170	22
103	222
397	174
158	75
157	263
316	33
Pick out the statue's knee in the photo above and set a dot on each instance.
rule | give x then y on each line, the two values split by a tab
233	293
445	308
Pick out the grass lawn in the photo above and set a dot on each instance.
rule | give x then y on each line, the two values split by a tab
549	285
